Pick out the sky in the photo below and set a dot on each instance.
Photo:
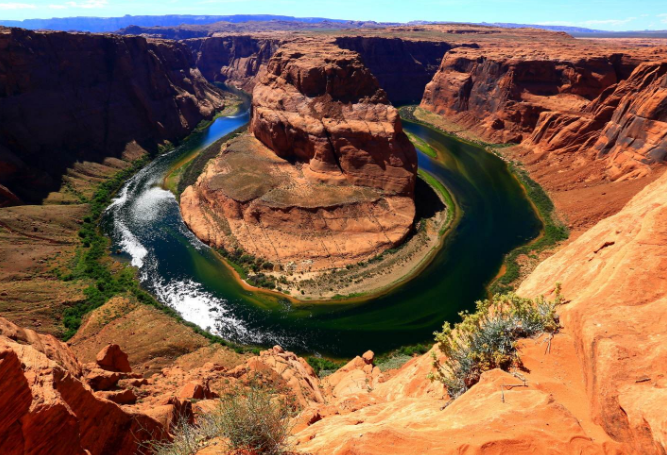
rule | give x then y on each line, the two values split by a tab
598	14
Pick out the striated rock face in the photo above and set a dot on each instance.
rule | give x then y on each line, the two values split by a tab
235	59
318	104
52	408
403	67
602	106
71	97
614	279
328	178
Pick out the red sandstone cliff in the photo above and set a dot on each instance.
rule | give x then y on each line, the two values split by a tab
328	178
561	101
71	97
235	59
48	406
323	107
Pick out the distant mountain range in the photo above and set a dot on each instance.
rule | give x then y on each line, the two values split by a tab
113	24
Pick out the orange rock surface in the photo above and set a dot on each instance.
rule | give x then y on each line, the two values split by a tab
328	178
53	410
614	279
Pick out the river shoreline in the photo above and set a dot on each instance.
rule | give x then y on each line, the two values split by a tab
553	230
366	280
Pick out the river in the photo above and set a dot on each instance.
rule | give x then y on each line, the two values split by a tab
146	228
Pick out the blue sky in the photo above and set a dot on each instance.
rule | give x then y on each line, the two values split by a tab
599	14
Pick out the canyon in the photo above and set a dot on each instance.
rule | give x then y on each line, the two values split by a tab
76	97
325	177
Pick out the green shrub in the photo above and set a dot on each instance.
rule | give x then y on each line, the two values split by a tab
252	419
487	338
322	365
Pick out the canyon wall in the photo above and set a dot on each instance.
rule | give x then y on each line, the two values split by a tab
49	406
327	177
403	67
584	106
234	59
613	278
72	97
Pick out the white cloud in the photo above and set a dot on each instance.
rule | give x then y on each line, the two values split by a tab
17	6
593	23
613	22
663	18
86	4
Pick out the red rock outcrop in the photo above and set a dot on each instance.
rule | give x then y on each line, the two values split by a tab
68	97
614	278
112	358
235	59
563	102
318	104
52	408
327	180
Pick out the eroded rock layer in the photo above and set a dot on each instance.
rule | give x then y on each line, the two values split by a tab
235	60
68	97
328	177
564	100
318	104
403	67
49	407
614	277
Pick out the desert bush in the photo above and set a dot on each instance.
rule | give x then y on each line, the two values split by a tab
324	366
187	440
252	419
487	338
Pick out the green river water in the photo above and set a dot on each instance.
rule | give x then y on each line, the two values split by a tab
144	223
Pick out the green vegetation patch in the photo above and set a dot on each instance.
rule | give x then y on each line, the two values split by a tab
324	367
452	209
553	233
106	279
487	338
422	145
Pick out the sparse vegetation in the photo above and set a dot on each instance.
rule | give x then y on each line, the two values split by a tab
252	419
324	367
553	231
106	279
487	338
422	146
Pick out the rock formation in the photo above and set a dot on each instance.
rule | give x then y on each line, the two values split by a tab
235	60
402	66
72	97
53	409
614	279
559	101
328	178
323	107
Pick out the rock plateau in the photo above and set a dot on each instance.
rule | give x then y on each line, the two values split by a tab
327	176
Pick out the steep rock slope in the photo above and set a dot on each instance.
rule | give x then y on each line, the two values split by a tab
614	279
71	97
234	59
403	67
53	410
593	104
318	103
328	178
